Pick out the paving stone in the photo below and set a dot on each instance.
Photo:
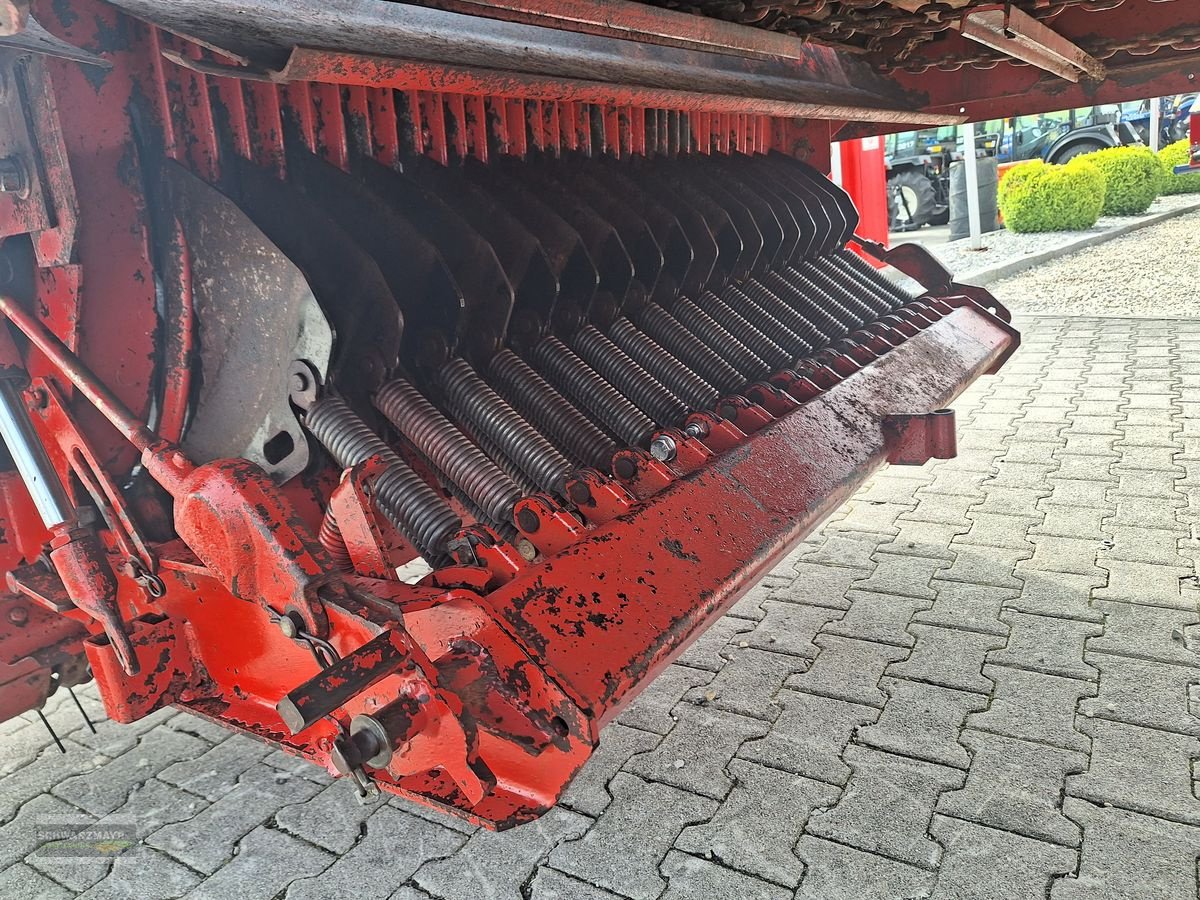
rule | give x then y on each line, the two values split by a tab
690	878
989	864
1139	692
930	540
872	515
994	530
1046	644
1034	706
1059	554
955	482
1148	436
948	657
847	669
1157	546
759	823
1027	475
497	864
704	740
848	549
49	769
1076	492
1059	595
750	605
267	862
705	652
20	837
922	721
550	884
902	576
289	766
1080	522
1147	632
1141	769
104	790
790	628
1147	512
651	709
994	566
878	617
1034	453
810	736
749	682
1010	501
948	509
1148	459
885	488
1041	432
19	882
189	723
1127	856
1134	582
974	607
215	772
886	806
837	872
1083	444
1015	786
1135	483
209	838
588	792
143	873
638	828
817	585
114	738
1095	424
333	819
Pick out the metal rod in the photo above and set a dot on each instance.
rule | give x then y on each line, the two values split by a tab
971	161
58	742
86	718
29	456
134	430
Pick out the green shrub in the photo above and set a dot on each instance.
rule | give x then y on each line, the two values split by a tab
1177	155
1133	176
1038	197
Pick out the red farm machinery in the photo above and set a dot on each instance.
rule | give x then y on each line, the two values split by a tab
407	384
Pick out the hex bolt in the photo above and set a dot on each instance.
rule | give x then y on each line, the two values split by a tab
18	615
663	448
696	430
13	176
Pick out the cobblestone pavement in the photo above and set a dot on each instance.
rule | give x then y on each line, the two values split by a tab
977	681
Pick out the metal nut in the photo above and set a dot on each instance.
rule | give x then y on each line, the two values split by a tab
14	179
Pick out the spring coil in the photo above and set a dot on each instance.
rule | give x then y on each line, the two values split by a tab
899	296
733	351
782	335
330	537
679	379
666	330
868	295
846	296
834	320
579	381
450	451
804	330
642	389
491	418
400	494
744	330
541	404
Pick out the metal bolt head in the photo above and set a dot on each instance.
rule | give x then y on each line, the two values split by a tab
13	177
663	448
18	615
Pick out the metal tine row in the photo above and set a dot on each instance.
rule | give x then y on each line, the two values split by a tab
630	296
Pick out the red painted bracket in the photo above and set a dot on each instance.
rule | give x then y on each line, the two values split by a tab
914	440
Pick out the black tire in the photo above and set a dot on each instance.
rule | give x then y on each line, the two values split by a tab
1077	150
911	201
942	218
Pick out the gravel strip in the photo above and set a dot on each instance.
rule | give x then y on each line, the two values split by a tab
1150	272
1004	246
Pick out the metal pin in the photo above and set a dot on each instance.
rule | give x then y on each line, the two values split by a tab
49	728
82	711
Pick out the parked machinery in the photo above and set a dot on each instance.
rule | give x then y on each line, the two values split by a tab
552	299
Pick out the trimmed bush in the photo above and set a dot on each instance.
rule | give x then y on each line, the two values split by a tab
1133	176
1174	155
1035	196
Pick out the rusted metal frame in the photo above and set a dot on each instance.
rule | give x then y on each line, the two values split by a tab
310	65
646	24
1016	33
